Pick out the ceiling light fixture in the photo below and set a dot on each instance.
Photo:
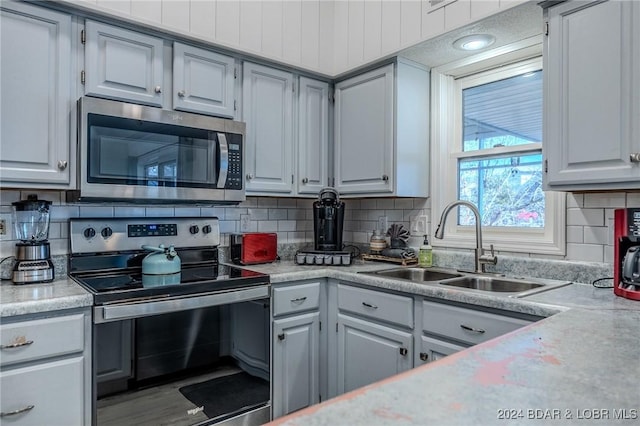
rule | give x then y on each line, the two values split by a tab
474	42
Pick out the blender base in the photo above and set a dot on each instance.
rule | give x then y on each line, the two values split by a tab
33	271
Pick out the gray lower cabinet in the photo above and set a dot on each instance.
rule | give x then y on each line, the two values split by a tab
368	352
373	336
35	92
297	357
45	369
122	64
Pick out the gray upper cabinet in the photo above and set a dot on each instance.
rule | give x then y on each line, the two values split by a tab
382	132
592	131
313	136
203	81
35	91
267	102
123	65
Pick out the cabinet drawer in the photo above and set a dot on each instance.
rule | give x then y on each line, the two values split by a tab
466	325
41	338
44	394
377	305
296	298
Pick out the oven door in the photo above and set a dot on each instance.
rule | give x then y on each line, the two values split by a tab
136	153
189	366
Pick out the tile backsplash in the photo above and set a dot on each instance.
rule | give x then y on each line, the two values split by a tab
589	219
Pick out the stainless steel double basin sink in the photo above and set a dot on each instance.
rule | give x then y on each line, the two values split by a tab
489	283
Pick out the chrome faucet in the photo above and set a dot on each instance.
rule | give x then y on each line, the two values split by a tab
481	258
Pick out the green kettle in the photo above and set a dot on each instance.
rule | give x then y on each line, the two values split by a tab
160	267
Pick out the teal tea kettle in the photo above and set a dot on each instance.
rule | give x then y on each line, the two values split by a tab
161	267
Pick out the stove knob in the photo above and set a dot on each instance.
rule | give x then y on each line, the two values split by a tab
194	229
206	229
89	233
106	232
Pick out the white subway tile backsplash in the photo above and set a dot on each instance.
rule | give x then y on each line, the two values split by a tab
633	199
403	203
258	214
212	212
277	214
352	204
228	226
385	203
585	217
267	202
575	200
268	226
249	202
575	234
305	203
394	215
595	235
609	199
187	211
585	252
298	214
368	204
233	213
101	211
53	196
128	211
286	225
287	203
9	196
64	212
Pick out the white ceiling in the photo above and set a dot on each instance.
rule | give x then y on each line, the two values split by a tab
508	27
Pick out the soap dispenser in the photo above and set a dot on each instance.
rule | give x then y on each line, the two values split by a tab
425	254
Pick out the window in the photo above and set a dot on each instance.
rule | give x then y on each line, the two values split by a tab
487	142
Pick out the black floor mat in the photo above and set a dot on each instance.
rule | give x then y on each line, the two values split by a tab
227	394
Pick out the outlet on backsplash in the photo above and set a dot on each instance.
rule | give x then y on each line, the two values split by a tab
245	222
383	223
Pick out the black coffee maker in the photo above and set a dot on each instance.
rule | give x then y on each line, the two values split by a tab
328	218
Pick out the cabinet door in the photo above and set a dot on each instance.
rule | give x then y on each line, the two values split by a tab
267	110
591	94
123	65
368	352
203	81
434	349
313	136
35	95
296	365
364	132
44	394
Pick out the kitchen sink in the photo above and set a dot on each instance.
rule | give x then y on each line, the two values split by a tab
416	274
500	285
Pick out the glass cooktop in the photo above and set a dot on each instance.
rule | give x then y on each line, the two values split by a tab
119	286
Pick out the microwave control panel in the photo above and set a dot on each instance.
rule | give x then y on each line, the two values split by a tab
234	174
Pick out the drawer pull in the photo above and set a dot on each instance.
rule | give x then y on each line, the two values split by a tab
474	330
369	305
17	344
281	336
21	410
404	351
424	356
299	299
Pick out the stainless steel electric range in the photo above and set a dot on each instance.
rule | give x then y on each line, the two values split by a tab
171	354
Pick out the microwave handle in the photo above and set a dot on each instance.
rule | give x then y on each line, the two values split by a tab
224	160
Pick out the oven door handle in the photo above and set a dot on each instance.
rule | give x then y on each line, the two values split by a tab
102	314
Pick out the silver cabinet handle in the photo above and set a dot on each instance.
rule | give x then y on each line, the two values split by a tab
62	164
368	305
385	178
635	157
404	351
17	345
299	299
21	410
475	330
181	93
305	181
249	176
158	89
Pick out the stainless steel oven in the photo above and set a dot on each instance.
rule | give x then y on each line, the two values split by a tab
143	154
193	352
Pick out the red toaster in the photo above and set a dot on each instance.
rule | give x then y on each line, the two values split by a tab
254	248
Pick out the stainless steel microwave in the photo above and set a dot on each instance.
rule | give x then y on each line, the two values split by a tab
141	154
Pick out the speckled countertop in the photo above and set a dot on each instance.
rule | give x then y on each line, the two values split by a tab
579	365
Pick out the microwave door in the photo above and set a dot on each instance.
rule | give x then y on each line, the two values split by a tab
224	160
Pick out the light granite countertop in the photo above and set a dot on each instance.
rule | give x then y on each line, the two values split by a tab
579	365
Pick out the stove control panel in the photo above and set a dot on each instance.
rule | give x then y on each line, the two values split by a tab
93	235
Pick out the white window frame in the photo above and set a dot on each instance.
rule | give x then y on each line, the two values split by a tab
446	137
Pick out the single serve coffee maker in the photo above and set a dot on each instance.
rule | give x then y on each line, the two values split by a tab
31	223
328	218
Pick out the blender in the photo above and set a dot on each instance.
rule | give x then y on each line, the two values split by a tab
31	222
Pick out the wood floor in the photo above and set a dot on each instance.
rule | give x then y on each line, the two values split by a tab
159	405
